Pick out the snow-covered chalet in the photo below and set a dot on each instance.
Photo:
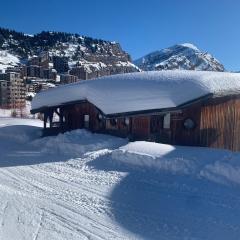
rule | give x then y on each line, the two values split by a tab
177	107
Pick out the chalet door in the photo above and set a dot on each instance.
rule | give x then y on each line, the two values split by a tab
160	128
156	126
166	130
86	121
140	128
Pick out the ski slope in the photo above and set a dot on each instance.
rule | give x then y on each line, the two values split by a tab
80	185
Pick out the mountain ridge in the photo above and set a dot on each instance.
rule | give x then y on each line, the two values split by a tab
180	56
95	54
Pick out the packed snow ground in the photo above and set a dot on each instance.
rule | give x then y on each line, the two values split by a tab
80	185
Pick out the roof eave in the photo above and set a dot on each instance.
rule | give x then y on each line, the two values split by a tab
160	110
132	113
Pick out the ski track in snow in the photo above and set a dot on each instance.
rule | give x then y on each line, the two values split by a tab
94	196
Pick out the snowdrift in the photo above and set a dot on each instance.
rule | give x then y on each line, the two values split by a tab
216	165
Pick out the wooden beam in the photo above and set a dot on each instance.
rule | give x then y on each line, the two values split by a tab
45	116
50	116
58	113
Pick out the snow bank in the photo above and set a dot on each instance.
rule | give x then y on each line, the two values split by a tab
152	155
21	134
216	165
18	130
141	91
77	142
224	171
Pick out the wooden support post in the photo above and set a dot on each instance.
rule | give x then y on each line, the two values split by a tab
50	115
60	115
45	117
61	120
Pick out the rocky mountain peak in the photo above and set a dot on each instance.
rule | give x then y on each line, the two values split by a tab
180	56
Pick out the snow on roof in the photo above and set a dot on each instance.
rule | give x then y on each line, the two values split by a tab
141	91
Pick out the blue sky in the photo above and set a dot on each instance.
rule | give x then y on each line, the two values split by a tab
141	26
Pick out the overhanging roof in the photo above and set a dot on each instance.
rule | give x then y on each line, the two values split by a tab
140	92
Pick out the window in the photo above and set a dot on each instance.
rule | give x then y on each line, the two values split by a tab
113	121
188	123
166	121
100	117
126	121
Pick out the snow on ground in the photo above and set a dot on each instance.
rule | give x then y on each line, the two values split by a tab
81	185
7	60
25	112
5	112
221	166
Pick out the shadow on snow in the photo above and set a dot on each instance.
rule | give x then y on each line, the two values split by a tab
151	204
16	150
160	205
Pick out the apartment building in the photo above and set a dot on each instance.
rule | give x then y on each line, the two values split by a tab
12	90
67	78
42	60
60	64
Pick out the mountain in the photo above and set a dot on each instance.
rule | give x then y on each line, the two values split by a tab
181	56
81	50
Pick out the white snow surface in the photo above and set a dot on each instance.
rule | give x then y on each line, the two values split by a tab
7	60
24	112
142	91
80	185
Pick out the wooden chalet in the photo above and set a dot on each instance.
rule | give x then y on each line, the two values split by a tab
175	107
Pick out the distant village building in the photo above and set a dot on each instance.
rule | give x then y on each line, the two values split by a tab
39	72
16	70
67	78
12	90
92	70
42	60
60	64
31	71
89	72
39	67
33	87
79	72
36	85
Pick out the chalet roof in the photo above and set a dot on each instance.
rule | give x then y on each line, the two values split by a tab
141	91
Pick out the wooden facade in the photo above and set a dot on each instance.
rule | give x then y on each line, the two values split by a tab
214	122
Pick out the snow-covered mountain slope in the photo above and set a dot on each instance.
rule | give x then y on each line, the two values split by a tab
77	49
80	185
8	60
180	56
